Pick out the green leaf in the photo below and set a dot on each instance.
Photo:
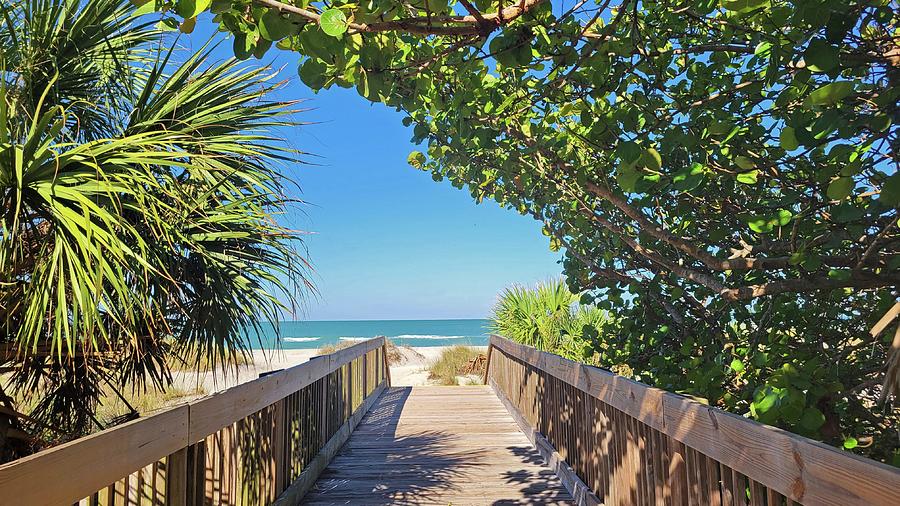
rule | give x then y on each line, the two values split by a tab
839	274
788	139
219	6
333	22
812	419
850	443
783	217
627	177
830	94
242	46
273	26
416	159
689	178
766	223
191	8
767	402
840	188
744	162
890	191
737	365
748	177
260	48
650	158
522	54
312	73
820	56
743	5
629	152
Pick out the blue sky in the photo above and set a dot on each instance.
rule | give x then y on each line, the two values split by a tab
387	241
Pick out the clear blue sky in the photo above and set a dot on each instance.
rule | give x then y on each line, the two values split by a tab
387	241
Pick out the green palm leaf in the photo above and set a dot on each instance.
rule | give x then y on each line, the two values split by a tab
140	199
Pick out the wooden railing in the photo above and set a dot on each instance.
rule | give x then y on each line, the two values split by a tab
249	444
619	442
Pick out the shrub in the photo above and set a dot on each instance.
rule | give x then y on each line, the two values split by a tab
548	317
454	362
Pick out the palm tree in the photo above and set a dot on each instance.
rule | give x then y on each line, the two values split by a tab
548	317
139	200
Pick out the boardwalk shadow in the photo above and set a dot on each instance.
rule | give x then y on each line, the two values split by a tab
541	487
380	466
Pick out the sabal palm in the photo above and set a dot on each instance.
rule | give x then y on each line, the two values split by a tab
549	318
139	203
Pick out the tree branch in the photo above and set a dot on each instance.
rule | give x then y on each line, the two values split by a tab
471	24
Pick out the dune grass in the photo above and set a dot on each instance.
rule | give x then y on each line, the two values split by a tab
395	356
112	408
204	363
457	362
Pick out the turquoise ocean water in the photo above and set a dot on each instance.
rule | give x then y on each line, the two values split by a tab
315	334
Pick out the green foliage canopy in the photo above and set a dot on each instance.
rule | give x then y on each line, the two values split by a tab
138	201
723	173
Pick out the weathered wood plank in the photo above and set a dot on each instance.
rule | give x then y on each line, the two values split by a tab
310	474
71	471
214	412
801	469
410	449
570	480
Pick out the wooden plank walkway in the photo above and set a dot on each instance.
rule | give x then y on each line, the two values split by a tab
438	445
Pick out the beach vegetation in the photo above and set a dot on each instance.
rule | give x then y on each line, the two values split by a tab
140	191
550	318
394	354
457	365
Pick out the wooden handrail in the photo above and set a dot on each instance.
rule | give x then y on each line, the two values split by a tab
296	410
620	434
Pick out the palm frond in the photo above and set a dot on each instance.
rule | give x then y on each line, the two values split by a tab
140	203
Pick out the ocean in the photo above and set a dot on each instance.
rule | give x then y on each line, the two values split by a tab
419	333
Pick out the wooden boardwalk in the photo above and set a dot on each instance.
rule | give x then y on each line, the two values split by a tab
438	445
289	438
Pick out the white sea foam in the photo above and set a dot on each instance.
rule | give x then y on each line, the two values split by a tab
354	338
428	337
300	339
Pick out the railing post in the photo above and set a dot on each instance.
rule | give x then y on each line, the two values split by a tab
677	483
387	365
278	447
177	478
487	362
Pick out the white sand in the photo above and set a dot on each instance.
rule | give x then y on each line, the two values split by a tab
411	371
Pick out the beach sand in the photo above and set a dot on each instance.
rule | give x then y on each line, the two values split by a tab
412	369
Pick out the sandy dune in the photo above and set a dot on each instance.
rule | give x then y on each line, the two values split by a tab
412	370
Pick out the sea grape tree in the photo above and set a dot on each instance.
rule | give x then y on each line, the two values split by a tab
723	174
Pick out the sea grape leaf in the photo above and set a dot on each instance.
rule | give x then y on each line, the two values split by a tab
743	5
820	56
651	159
812	419
748	177
312	73
190	8
416	159
788	139
830	94
273	26
840	188
890	191
333	22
